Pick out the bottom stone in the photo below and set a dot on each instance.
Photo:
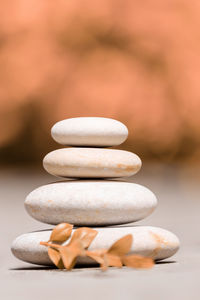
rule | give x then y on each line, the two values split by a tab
148	241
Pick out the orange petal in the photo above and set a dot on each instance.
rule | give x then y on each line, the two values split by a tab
114	261
95	255
76	247
55	257
104	265
61	233
67	256
138	262
85	235
122	246
70	253
100	257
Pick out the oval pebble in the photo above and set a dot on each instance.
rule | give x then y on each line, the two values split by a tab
148	241
90	203
89	131
91	163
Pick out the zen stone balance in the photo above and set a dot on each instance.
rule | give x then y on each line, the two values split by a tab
89	194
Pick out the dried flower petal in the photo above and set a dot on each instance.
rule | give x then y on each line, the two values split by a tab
138	261
61	233
70	253
104	259
96	255
122	246
85	235
114	261
104	266
55	257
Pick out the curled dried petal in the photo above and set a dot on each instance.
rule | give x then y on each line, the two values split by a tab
100	257
138	261
122	246
104	266
61	233
55	257
70	253
114	261
104	259
85	235
95	255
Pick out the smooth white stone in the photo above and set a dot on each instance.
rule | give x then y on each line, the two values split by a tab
91	163
148	241
90	203
90	131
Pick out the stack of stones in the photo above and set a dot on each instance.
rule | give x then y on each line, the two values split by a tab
93	196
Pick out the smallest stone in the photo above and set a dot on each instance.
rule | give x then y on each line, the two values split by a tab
89	131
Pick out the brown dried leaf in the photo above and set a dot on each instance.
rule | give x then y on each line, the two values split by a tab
55	257
67	256
114	261
61	232
105	260
100	257
70	253
122	246
96	255
104	266
85	235
138	261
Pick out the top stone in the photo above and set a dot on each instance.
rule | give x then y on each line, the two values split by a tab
89	131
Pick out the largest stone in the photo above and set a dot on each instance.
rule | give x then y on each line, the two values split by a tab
90	203
148	241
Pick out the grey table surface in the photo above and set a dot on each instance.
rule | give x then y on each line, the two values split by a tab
178	210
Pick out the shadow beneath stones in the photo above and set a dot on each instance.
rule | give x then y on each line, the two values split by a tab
77	267
47	268
165	262
33	268
95	226
85	266
85	179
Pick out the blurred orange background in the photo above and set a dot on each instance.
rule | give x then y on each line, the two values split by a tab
135	61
